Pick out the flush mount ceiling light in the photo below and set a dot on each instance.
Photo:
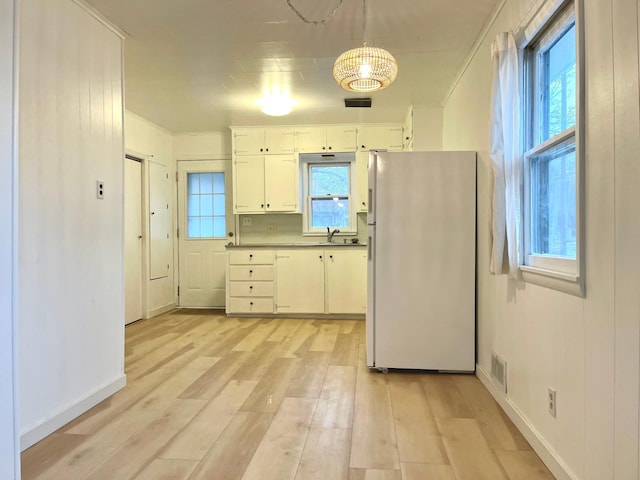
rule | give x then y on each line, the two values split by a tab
276	103
365	69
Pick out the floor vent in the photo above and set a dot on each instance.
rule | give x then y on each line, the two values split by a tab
499	371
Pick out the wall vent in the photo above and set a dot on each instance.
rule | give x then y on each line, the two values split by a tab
357	102
499	371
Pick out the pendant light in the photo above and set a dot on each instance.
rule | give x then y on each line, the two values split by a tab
365	69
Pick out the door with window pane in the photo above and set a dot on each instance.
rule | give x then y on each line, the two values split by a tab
206	226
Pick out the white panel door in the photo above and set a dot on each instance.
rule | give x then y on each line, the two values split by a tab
132	240
206	226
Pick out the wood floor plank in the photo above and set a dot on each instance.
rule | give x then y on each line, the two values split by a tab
366	374
523	465
376	474
419	440
161	397
79	461
269	392
337	397
422	471
210	382
469	455
325	339
195	440
325	455
279	453
139	450
162	469
42	456
256	337
494	425
310	375
232	452
373	441
444	397
286	329
260	360
299	342
345	350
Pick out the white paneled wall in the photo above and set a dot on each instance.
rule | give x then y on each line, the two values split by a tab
154	146
9	461
586	348
70	302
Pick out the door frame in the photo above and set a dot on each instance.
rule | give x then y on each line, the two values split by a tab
143	238
9	439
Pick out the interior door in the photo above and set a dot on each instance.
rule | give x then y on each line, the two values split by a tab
133	240
206	225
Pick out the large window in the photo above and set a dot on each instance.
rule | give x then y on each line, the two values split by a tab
327	188
552	168
206	205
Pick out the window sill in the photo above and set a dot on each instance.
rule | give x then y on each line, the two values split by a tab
562	282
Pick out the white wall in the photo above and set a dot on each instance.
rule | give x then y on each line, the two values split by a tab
153	144
585	348
427	128
9	460
70	286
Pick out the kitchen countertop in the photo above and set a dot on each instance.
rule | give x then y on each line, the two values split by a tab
297	245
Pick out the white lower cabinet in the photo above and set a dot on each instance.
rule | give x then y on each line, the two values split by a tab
250	275
300	281
346	272
305	280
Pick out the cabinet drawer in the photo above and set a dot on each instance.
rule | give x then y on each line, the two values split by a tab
250	305
251	289
251	257
250	272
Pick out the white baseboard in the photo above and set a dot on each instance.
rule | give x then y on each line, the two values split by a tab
63	417
160	310
549	456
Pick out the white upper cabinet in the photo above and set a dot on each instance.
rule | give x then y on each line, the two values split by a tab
265	183
256	141
325	139
248	178
362	181
380	137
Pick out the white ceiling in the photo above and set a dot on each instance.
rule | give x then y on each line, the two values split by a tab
200	65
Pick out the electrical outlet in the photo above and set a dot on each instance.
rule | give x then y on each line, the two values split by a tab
272	228
551	401
246	221
99	189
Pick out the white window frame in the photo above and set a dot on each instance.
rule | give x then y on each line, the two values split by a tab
314	160
546	22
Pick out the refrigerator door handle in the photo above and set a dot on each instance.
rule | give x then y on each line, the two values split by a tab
369	248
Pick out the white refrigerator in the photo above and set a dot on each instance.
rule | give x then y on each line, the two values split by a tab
422	261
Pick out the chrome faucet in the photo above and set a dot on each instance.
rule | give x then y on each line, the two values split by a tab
331	233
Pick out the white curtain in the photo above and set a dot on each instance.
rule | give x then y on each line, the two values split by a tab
505	156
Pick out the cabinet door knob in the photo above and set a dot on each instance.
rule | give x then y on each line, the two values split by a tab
262	205
266	149
261	149
268	205
250	272
363	147
250	303
324	148
320	257
330	148
251	255
330	256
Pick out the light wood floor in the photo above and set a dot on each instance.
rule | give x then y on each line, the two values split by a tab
210	397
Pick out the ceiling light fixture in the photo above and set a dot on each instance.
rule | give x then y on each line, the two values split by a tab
276	103
365	69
